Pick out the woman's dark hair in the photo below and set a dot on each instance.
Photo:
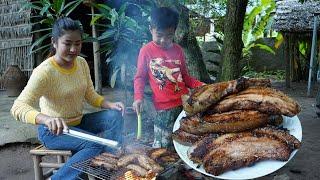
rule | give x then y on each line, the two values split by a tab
60	27
163	18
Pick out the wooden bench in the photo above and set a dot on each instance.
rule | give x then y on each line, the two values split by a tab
37	156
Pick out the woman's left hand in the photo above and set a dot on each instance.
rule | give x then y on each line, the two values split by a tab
114	105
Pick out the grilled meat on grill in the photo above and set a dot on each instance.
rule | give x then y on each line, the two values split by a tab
265	100
163	156
102	163
234	121
138	170
148	163
141	160
109	160
127	159
157	152
105	154
244	151
210	94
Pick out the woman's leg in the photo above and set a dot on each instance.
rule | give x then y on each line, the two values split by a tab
163	126
107	124
81	149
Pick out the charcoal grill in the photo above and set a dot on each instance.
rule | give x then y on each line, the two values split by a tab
104	174
97	172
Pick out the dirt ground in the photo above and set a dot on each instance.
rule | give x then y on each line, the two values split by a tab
16	163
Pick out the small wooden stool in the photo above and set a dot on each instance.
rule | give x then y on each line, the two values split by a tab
39	152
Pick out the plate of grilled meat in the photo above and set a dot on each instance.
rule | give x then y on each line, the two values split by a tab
240	129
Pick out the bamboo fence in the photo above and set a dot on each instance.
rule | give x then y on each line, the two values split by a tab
15	37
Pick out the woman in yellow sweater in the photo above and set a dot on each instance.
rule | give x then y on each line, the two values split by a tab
61	84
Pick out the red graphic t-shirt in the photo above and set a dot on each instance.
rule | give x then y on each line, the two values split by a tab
167	74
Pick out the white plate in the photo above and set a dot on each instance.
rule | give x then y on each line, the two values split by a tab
258	169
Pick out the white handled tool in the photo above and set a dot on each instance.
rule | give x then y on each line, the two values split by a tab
88	137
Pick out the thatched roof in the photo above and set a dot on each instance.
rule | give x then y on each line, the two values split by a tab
293	16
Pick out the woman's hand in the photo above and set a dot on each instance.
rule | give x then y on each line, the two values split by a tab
137	106
55	125
114	105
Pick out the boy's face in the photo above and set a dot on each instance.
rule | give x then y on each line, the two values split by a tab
163	38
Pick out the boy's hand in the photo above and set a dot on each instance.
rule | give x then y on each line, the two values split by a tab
137	106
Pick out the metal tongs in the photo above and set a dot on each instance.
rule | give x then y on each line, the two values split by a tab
88	137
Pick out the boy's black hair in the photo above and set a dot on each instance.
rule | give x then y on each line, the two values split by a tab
163	18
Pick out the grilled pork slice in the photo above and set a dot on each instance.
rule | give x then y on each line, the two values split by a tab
280	134
187	138
244	151
266	100
199	150
234	121
207	95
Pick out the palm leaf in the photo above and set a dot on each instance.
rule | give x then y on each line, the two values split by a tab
279	40
58	6
265	47
39	41
114	78
41	30
73	6
45	47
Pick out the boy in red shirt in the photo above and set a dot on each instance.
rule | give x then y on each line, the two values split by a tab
162	62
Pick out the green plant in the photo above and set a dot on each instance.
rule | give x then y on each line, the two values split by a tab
255	24
123	37
278	75
46	13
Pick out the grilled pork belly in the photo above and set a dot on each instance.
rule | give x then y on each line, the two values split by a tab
235	150
204	146
185	138
265	100
234	121
207	95
244	151
280	134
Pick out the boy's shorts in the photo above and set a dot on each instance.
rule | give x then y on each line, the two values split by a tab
163	126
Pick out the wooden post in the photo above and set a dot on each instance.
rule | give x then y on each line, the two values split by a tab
287	59
38	173
96	58
313	52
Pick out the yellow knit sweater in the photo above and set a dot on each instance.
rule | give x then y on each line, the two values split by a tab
60	92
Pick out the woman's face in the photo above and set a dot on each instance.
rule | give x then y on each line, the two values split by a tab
68	46
163	38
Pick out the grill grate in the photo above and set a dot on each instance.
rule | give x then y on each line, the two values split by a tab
98	172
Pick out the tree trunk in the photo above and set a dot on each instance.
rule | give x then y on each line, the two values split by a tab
187	40
233	45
